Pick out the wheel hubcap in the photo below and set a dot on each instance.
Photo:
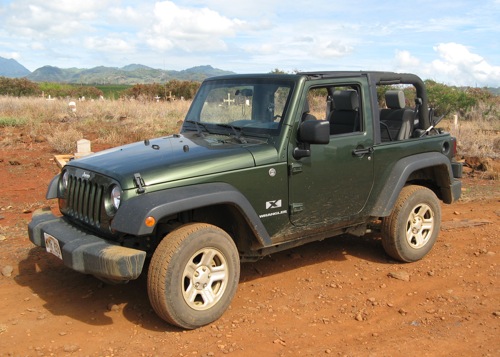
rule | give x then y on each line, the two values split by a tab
420	226
201	277
204	279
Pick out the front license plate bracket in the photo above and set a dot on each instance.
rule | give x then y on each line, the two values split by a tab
52	245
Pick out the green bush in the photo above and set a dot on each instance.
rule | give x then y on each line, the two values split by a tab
113	91
61	90
18	87
446	100
11	122
174	88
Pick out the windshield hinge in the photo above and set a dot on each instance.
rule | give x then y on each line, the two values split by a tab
139	182
295	168
296	208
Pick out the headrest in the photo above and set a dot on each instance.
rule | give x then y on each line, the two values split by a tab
307	116
395	99
346	100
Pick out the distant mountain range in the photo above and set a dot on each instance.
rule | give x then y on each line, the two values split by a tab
13	69
130	74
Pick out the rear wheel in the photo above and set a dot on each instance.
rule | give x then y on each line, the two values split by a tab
409	233
193	275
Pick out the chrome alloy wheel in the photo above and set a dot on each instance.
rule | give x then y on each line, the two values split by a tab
204	279
420	226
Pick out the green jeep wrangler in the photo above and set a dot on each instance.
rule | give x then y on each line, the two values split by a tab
262	163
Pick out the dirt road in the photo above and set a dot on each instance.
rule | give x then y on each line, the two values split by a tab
342	296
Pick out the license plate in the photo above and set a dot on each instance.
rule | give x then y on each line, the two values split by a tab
52	245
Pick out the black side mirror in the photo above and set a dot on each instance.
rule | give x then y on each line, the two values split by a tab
315	132
311	132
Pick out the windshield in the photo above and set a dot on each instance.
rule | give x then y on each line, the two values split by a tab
249	106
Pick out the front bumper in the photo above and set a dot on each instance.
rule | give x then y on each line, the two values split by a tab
456	189
84	252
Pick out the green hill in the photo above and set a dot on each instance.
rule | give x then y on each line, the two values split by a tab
130	74
12	69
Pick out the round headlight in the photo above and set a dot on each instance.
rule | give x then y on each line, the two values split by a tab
116	194
64	181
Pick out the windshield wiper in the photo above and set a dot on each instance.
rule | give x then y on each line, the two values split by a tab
197	125
237	132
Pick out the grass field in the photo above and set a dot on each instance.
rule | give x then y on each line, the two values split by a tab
116	122
107	122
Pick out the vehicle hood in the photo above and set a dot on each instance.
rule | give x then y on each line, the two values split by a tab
176	157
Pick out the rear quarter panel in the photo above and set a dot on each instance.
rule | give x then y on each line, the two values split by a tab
387	156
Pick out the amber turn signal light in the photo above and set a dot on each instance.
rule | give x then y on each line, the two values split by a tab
150	221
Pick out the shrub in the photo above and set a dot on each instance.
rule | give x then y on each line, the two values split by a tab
61	90
446	100
64	140
18	87
174	88
11	122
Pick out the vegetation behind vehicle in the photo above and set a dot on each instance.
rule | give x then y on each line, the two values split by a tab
478	111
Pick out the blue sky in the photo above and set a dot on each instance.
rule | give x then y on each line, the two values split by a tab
454	42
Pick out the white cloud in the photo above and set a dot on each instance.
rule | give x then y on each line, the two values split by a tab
335	49
304	44
130	18
261	49
68	7
253	8
9	55
406	60
461	65
108	44
38	46
456	65
189	29
259	35
46	19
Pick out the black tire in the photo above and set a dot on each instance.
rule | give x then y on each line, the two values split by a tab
193	275
410	231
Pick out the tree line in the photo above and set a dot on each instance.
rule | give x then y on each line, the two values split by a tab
22	87
171	90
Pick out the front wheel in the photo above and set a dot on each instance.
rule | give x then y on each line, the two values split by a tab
193	275
410	231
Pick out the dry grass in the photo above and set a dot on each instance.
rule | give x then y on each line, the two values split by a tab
107	122
65	141
477	132
116	122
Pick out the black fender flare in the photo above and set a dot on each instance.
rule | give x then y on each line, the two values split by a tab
132	213
402	171
53	188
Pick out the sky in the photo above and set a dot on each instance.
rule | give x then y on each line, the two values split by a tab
456	42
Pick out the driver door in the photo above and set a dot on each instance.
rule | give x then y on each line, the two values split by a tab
333	184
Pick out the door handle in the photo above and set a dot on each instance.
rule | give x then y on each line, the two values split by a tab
360	152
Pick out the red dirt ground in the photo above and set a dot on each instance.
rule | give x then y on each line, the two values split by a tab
331	297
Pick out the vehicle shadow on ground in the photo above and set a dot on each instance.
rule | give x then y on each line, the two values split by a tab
336	249
87	299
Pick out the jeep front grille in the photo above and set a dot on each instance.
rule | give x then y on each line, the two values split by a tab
85	200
